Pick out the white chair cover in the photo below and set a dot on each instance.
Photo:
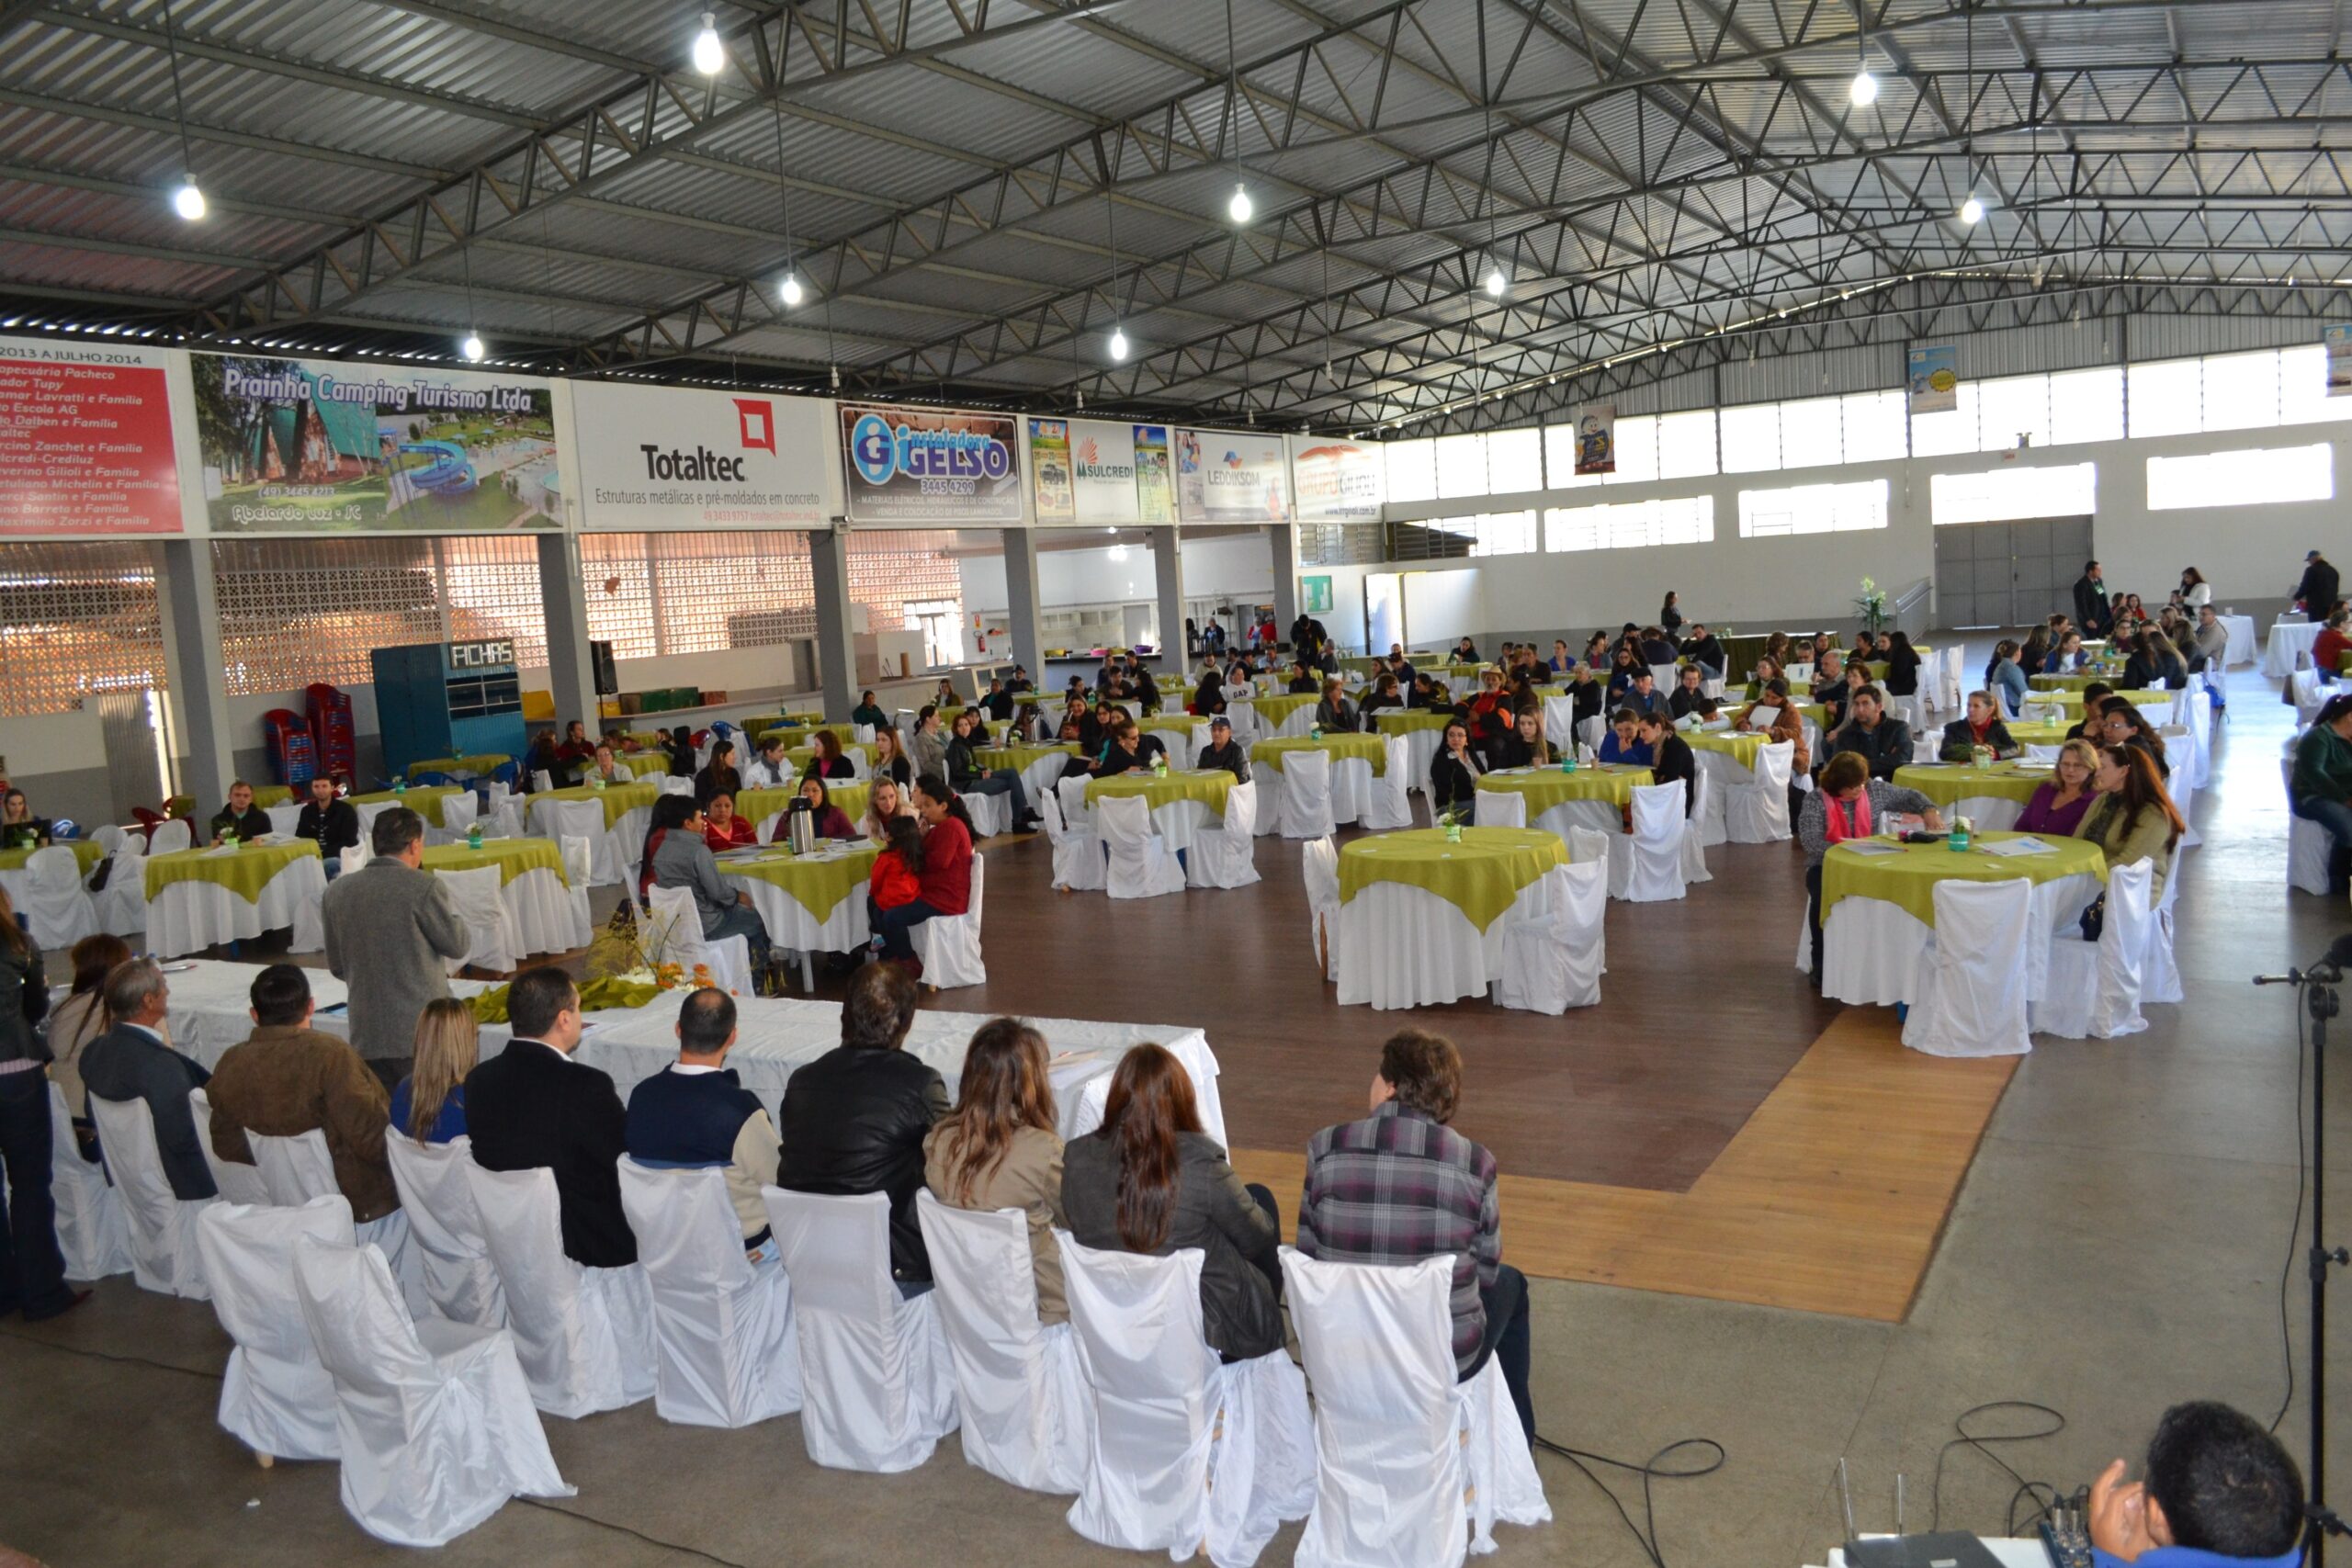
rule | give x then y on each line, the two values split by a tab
1554	964
1646	865
458	813
580	861
585	1337
92	1230
295	1171
1972	987
1387	808
2309	845
2094	989
673	933
2161	980
542	780
275	1396
1499	808
164	1256
110	838
949	945
1306	794
1078	855
1020	1391
177	833
1078	814
479	897
1590	730
723	1327
1228	857
1319	865
237	1183
1757	812
1187	1452
352	859
453	1258
1141	865
121	904
54	903
1703	809
991	814
434	1418
1413	1467
1664	677
877	1391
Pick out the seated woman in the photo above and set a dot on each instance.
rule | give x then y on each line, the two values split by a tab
1767	670
884	804
1849	804
1302	681
1622	743
429	1105
897	877
676	855
2329	647
1208	697
2005	679
1983	726
1525	746
2318	788
1902	664
998	1148
827	763
1384	694
1335	713
2132	820
719	775
20	829
946	873
890	760
1453	774
817	801
1465	652
1785	723
869	712
1671	757
2155	662
723	831
682	752
2066	657
1129	750
1149	1181
2059	805
965	773
2122	724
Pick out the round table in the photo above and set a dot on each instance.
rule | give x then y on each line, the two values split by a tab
615	850
1181	799
1282	714
1424	732
762	807
548	913
1596	797
812	903
1040	766
199	898
1422	918
461	767
1878	911
1356	761
2289	645
1990	797
424	799
2241	648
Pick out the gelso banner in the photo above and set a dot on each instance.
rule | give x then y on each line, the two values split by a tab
301	446
665	458
1223	476
1931	379
1597	439
1049	478
85	440
925	468
1337	480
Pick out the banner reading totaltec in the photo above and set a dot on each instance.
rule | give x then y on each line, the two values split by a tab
1223	476
1338	481
656	458
924	467
311	446
85	440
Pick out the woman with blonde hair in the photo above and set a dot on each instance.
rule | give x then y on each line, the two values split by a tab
2059	805
891	759
883	802
998	1148
429	1105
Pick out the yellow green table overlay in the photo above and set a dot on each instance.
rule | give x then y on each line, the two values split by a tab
88	852
1481	875
484	762
2026	734
851	795
243	871
1372	749
816	882
513	857
424	799
1207	786
1947	784
1273	710
1404	721
274	794
2073	700
1908	877
1544	788
619	800
1741	749
1020	758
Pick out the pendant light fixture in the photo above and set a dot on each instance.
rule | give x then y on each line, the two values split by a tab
1497	281
1118	344
1971	209
710	55
187	197
789	288
1240	208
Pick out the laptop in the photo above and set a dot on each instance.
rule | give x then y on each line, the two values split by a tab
1942	1549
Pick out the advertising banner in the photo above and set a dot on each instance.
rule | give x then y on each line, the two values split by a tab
1055	494
1094	472
302	446
85	440
2339	361
1155	487
1597	438
651	459
1932	378
1337	480
1224	476
924	467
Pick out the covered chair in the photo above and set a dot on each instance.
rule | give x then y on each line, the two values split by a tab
276	1397
585	1337
1971	999
295	1171
433	1417
453	1258
1020	1391
1078	853
93	1230
1142	866
1499	808
722	1327
949	945
2094	989
1187	1452
1388	807
675	937
1319	863
1413	1467
121	904
1228	857
2162	981
237	1183
991	814
55	905
877	1392
479	897
1694	834
1756	812
1306	794
1556	964
1646	865
164	1256
175	834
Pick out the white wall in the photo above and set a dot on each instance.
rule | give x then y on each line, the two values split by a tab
1235	564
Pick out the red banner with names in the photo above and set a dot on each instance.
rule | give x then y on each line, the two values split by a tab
85	441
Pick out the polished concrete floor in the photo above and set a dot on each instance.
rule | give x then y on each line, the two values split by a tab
2118	1247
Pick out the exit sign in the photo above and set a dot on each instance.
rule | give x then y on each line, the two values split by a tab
484	655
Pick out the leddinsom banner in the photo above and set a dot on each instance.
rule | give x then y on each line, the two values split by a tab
921	468
302	446
653	459
1337	480
1225	476
85	440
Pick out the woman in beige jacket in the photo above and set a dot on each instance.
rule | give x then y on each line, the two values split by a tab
998	1148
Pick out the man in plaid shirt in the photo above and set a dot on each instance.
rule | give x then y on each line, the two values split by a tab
1401	1185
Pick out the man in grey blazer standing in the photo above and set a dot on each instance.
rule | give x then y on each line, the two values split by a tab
388	927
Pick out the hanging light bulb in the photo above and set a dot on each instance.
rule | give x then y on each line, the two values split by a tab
1971	211
472	347
710	55
188	200
1118	342
1864	90
1240	207
791	292
1497	282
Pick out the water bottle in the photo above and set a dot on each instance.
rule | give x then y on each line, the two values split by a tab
1567	761
1315	732
1959	838
473	835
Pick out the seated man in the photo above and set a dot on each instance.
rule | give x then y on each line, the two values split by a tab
1401	1185
134	1060
999	702
1224	751
287	1078
2088	728
532	1105
330	822
1688	693
1882	740
2319	787
1704	649
1643	695
696	1112
2221	1492
241	816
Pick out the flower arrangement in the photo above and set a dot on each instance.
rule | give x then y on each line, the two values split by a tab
625	952
1870	607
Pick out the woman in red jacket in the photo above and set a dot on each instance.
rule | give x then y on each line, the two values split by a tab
723	831
946	877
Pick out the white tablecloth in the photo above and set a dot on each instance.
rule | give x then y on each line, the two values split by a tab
1402	946
2288	641
2241	630
613	854
209	1003
549	916
188	917
2008	1553
1871	949
1350	792
792	928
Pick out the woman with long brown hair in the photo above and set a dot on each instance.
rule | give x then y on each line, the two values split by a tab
82	1018
1149	1181
2132	820
429	1105
32	1272
827	762
998	1148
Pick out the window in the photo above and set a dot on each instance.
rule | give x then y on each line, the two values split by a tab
1412	470
2013	412
1461	466
2256	478
1514	461
1812	509
2242	391
2303	388
1752	436
1629	526
2087	405
1505	533
1637	450
2167	397
1811	432
1875	427
2000	495
1949	433
1686	444
940	621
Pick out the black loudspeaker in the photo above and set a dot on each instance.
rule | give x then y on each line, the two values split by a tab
608	680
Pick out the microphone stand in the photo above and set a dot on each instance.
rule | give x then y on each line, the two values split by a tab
2318	985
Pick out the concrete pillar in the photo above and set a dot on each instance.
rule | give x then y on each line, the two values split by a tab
193	667
1020	604
1282	539
836	626
1167	569
571	674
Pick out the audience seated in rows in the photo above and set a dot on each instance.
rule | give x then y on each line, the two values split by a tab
696	1113
287	1078
998	1148
429	1105
134	1060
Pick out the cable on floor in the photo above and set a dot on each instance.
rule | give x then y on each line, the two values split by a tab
1982	1441
2295	1225
1650	1470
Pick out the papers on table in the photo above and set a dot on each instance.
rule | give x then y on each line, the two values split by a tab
1873	847
2024	846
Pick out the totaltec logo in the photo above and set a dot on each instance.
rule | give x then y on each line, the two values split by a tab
754	432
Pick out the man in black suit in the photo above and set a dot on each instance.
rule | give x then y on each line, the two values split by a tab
134	1060
532	1105
330	822
2092	611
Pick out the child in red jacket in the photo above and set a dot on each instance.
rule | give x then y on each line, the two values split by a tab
897	870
